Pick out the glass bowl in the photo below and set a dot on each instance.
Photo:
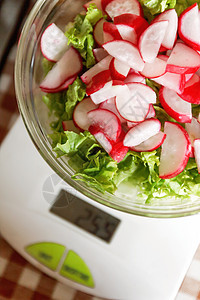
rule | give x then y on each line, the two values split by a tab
28	75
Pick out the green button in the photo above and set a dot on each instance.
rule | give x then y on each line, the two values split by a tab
76	269
49	254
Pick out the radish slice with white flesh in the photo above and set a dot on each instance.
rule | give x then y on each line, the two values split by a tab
189	24
155	69
151	144
118	7
101	139
118	151
175	82
61	88
110	32
99	67
183	60
110	105
142	132
127	33
69	125
175	106
175	151
134	105
188	77
132	58
163	57
96	2
98	32
80	116
151	113
69	65
151	39
105	121
99	54
118	69
197	153
191	92
171	31
134	77
98	82
53	43
108	91
193	130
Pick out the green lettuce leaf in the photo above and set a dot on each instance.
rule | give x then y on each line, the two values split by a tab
154	7
181	5
80	35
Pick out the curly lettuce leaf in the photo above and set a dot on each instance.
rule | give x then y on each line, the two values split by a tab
80	35
154	7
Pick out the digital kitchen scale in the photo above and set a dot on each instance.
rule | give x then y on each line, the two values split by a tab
89	246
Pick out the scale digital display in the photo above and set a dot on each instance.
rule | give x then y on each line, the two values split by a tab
85	216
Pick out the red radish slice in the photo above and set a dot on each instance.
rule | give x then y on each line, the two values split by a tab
142	132
96	2
53	43
99	67
108	91
155	69
101	139
69	65
118	151
98	82
188	77
183	60
175	151
198	71
80	116
193	130
151	113
98	32
99	54
189	23
163	57
175	106
191	92
151	144
69	125
118	7
127	33
110	105
175	82
131	124
134	105
118	69
151	39
134	77
132	58
171	31
110	32
197	153
137	23
62	88
105	121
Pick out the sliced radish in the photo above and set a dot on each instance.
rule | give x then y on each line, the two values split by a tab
98	32
110	105
118	7
96	2
193	130
191	92
69	125
136	23
127	33
69	65
175	151
134	105
151	39
99	54
175	106
118	151
110	32
99	67
105	121
61	88
155	69
98	82
171	31
163	57
80	116
151	144
188	77
189	24
183	60
131	124
197	153
125	52
53	43
134	77
142	132
118	69
175	82
151	113
101	139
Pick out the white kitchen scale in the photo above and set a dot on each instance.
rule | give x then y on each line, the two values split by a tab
84	244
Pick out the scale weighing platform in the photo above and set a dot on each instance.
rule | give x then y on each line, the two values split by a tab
81	243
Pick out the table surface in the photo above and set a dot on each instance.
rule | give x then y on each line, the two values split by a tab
18	279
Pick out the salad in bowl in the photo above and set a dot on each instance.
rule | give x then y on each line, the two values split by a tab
121	82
